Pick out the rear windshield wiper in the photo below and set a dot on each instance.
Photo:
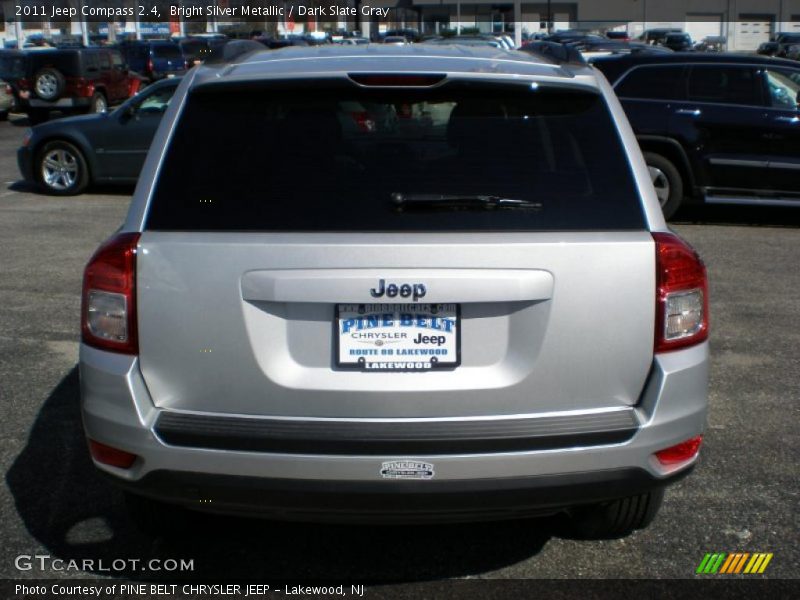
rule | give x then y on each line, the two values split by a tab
402	201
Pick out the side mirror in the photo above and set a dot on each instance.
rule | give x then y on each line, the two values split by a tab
127	114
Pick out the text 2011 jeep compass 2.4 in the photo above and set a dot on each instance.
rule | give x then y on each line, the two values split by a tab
395	284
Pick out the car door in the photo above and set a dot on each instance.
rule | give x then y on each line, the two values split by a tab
124	145
783	89
723	120
646	93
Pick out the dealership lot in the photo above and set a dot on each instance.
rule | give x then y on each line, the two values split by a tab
742	497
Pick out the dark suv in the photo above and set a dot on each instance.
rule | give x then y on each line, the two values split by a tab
154	59
719	128
74	80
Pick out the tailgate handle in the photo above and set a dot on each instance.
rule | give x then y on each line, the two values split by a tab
355	285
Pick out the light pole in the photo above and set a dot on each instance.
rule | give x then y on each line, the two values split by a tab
549	17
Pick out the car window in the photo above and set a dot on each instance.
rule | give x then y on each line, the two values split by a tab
116	59
158	100
724	85
333	157
91	61
105	61
167	51
12	67
659	82
784	87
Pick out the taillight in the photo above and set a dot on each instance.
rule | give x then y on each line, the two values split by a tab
9	91
150	65
108	312
681	294
365	122
680	453
108	455
83	88
24	84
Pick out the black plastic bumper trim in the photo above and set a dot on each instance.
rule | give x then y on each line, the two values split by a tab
393	501
289	436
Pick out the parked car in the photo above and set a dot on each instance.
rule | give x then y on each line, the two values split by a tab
67	155
779	44
198	49
395	327
354	41
469	40
712	43
73	80
573	35
395	40
620	36
7	101
677	42
591	49
154	60
657	35
714	127
793	52
411	34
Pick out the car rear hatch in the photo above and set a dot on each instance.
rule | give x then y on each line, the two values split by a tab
484	254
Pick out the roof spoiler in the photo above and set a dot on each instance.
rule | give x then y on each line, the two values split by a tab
555	51
233	50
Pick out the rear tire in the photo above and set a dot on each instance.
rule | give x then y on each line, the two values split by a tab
99	103
668	183
616	518
156	519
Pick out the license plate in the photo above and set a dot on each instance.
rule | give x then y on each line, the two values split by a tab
397	337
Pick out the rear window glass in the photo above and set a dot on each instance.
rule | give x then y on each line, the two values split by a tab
12	67
68	62
168	51
725	85
656	82
336	158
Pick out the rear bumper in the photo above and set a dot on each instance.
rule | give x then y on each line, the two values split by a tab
388	502
479	482
60	103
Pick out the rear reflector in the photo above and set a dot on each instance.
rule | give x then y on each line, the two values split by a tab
680	453
111	456
392	80
108	314
681	294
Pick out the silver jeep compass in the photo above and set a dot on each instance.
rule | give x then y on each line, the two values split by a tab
395	284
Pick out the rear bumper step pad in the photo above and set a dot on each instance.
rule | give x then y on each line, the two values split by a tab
332	436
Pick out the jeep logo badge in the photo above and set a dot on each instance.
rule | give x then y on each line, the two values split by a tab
405	290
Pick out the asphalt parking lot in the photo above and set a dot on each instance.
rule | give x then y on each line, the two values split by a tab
744	495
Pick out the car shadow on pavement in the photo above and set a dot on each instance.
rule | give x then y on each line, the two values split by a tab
740	215
75	514
105	190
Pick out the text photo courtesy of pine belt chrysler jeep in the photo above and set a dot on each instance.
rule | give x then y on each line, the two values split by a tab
392	324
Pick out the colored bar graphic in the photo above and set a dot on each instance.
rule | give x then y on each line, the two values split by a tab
725	567
764	564
740	562
731	564
703	563
713	568
755	562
